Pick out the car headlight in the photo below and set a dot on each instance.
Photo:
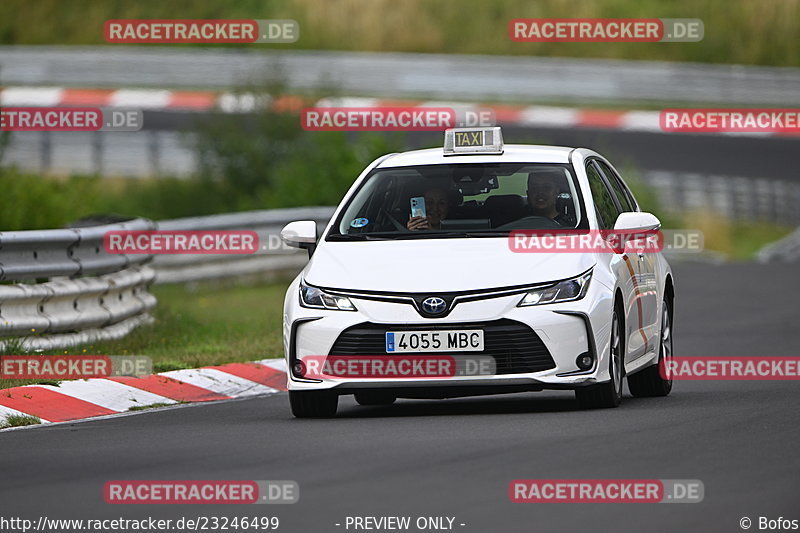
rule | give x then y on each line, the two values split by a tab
319	299
563	291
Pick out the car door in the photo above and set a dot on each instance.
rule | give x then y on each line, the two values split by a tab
645	265
624	266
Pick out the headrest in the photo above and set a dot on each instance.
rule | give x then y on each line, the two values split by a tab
504	201
555	175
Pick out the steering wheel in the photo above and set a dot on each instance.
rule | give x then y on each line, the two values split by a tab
395	223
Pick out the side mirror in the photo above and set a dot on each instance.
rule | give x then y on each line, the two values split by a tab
301	234
637	222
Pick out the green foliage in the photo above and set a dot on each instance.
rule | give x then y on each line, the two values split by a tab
242	153
19	420
33	202
262	161
149	406
328	167
265	160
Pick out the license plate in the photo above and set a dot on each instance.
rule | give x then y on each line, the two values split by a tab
457	340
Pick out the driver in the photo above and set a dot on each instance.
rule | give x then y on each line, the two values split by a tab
437	206
543	190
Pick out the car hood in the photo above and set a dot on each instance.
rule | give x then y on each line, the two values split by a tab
441	265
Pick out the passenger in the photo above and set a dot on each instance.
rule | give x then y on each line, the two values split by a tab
543	188
437	205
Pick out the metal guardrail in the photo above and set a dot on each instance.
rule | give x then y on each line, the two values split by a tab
733	197
404	75
67	312
274	257
30	255
62	288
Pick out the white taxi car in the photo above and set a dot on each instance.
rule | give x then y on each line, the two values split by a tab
417	262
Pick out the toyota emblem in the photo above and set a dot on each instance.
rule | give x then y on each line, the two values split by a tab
434	305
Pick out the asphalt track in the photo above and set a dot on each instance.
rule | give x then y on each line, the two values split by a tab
456	457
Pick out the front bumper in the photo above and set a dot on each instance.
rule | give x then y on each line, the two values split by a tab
567	330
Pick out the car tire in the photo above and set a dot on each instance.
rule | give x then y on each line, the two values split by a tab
649	382
313	404
373	398
607	395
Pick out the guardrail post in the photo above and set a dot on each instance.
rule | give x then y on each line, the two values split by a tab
97	152
154	152
45	152
720	195
743	202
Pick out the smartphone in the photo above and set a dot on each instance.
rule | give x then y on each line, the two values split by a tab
418	206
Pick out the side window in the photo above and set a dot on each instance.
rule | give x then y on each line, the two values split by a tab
603	201
621	192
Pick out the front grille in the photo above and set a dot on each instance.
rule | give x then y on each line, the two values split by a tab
515	347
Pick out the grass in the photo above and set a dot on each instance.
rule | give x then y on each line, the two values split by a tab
736	31
202	325
749	239
735	240
14	347
208	325
19	420
8	383
150	406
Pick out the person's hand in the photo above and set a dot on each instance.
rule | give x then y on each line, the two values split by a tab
418	223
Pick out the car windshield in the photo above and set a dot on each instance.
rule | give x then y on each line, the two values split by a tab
463	200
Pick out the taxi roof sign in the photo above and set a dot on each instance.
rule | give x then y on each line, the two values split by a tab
465	141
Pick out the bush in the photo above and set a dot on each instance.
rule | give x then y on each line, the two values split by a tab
265	159
258	161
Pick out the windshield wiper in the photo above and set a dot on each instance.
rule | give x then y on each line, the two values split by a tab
487	234
361	237
453	234
386	236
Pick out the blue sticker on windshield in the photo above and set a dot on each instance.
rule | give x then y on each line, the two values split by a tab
359	223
